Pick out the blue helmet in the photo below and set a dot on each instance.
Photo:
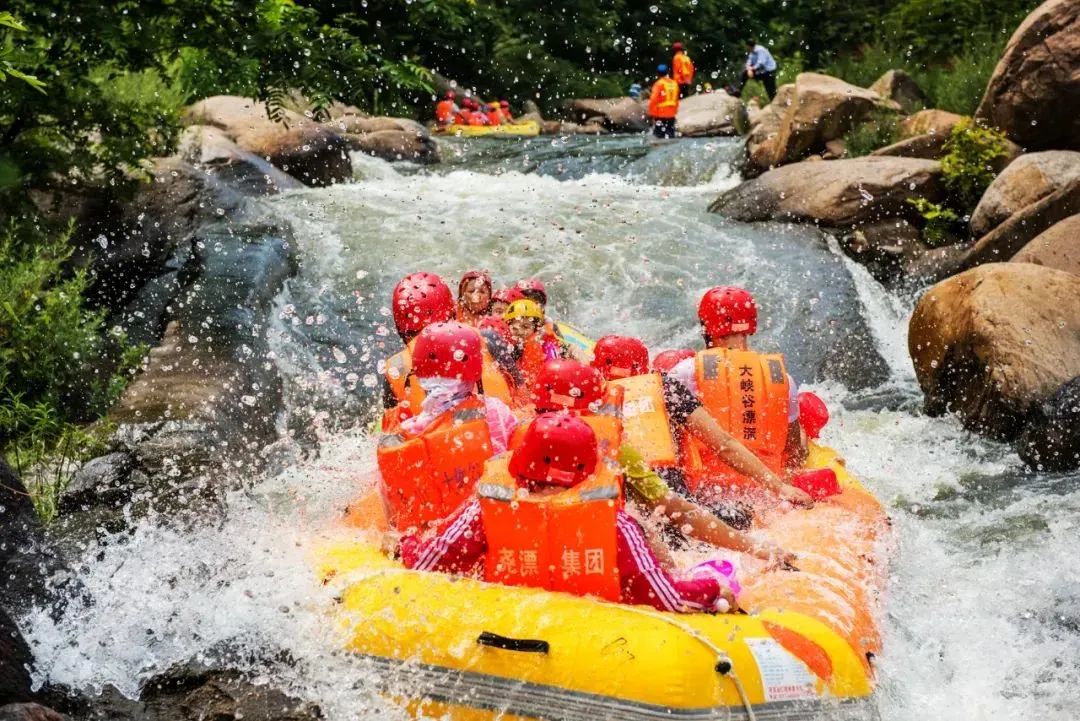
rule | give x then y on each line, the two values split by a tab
662	69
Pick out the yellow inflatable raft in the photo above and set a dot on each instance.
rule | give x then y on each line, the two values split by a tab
465	649
527	129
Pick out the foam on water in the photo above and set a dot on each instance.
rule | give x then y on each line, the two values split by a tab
981	619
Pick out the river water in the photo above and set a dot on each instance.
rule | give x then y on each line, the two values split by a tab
981	618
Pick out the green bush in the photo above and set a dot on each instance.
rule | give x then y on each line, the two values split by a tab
943	226
877	131
968	166
57	369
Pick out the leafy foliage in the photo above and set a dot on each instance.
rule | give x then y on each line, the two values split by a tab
971	153
57	369
877	131
943	225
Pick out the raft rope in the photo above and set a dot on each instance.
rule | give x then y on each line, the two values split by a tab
722	659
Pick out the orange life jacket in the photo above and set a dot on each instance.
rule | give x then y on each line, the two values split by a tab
494	117
530	364
409	394
645	422
682	68
561	542
444	112
664	99
476	117
424	478
747	394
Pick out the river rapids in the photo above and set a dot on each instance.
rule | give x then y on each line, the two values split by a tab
981	618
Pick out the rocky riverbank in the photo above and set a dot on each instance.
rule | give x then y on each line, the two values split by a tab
996	343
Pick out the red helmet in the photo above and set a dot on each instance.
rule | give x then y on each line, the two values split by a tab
498	325
504	104
726	310
567	384
473	275
507	295
666	360
813	413
676	46
448	350
620	356
558	448
450	95
533	285
419	300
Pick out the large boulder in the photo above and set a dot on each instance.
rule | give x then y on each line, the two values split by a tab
928	147
1058	247
1026	180
821	108
1051	440
835	193
209	148
617	115
899	86
993	342
1007	239
707	114
314	154
302	147
765	126
1034	93
396	145
929	122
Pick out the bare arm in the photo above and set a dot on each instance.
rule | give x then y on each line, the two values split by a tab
704	526
735	454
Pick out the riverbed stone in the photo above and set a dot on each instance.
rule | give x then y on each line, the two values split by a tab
835	193
210	149
1026	180
1057	247
29	712
395	145
930	146
991	343
818	109
712	114
929	122
99	480
899	86
1034	93
616	115
1051	440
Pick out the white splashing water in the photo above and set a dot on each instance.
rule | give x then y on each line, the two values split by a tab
981	621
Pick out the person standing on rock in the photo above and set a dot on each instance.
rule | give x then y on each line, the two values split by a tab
682	69
760	66
664	104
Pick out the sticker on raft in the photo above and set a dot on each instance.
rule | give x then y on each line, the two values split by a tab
784	678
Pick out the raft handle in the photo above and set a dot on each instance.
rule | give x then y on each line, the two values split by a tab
525	645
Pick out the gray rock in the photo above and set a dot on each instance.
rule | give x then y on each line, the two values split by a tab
616	115
835	193
211	149
899	86
1051	440
712	114
1034	93
1026	180
100	480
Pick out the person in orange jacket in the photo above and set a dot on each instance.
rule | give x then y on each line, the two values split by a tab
494	114
446	110
664	104
682	69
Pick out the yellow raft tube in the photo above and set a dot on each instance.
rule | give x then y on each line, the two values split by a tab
458	648
526	129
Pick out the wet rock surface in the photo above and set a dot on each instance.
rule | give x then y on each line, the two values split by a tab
1026	180
616	115
1034	93
712	114
992	343
1051	441
1057	247
29	712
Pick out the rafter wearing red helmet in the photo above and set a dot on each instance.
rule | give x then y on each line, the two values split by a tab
454	431
549	516
752	410
417	301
